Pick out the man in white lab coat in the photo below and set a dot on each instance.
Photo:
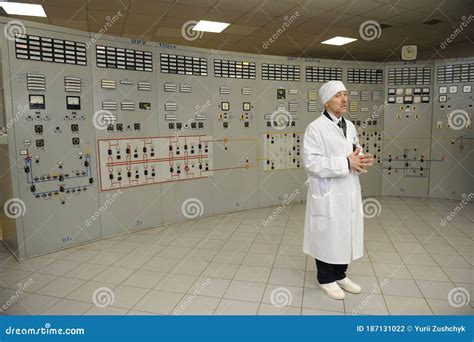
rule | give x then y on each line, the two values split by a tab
334	219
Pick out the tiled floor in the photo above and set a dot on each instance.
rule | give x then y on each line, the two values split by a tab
232	264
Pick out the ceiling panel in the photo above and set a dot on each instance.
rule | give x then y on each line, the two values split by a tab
172	22
200	3
222	15
254	22
255	19
274	8
117	5
188	12
137	19
138	30
239	6
100	18
168	32
66	12
385	12
408	17
73	24
240	29
358	7
149	7
324	4
69	3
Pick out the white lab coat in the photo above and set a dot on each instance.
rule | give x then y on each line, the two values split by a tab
334	221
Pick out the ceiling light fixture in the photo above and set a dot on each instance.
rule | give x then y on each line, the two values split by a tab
16	8
338	40
210	26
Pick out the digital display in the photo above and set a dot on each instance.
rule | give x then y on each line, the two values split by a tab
281	94
246	106
225	105
144	105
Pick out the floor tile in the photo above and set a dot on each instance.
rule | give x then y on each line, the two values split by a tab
236	307
245	291
160	302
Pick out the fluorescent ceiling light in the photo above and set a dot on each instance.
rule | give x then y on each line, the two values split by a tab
16	8
339	41
210	26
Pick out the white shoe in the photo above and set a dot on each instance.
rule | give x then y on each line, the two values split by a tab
349	285
333	290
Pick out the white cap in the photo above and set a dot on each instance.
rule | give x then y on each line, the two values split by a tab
329	89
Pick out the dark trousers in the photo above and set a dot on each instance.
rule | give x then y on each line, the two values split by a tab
328	273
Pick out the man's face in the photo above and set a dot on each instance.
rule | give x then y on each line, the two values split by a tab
338	103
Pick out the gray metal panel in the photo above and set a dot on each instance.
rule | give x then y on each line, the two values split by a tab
407	129
190	107
46	149
236	167
366	97
453	138
129	95
282	124
11	226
